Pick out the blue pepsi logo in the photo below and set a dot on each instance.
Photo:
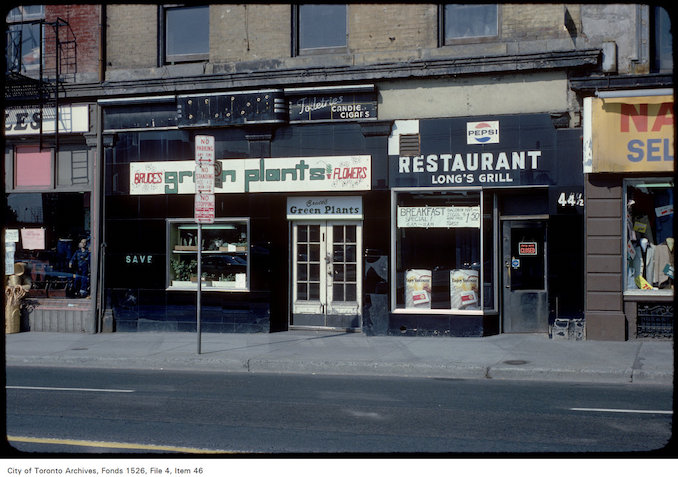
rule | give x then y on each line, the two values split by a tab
483	132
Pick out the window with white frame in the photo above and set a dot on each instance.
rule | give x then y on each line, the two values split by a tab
438	251
649	235
224	254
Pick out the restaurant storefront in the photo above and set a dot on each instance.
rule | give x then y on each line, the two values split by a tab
486	225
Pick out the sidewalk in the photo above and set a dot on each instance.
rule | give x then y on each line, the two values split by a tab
507	356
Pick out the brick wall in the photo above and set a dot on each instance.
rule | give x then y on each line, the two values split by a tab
378	33
605	318
249	32
131	36
84	21
374	27
537	21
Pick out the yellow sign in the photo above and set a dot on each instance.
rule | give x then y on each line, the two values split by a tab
630	134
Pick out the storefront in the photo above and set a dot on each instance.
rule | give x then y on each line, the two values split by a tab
301	202
52	216
629	167
486	225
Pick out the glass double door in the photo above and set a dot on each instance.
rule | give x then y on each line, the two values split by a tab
326	274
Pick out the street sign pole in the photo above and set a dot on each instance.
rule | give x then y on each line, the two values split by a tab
197	300
204	207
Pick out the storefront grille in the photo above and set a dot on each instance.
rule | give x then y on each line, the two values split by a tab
654	321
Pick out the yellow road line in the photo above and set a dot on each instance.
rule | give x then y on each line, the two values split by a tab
114	445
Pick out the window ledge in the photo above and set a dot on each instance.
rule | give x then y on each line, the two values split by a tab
649	295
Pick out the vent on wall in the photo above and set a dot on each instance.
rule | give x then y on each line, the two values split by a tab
409	144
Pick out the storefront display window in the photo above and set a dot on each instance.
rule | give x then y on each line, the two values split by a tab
225	252
438	250
649	235
52	240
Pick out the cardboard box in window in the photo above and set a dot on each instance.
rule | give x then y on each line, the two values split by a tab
231	247
186	248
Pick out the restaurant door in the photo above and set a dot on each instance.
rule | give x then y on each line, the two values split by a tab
525	291
326	274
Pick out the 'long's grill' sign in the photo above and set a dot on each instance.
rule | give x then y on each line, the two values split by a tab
282	174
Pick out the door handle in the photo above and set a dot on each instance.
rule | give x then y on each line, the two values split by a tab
507	264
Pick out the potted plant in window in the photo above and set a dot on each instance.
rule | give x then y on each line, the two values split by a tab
182	270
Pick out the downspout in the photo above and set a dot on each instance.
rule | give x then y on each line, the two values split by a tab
99	203
99	180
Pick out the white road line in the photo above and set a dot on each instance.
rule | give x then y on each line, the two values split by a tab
638	411
42	388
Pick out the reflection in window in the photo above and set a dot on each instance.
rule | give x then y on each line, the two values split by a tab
23	39
662	40
187	33
321	26
649	234
54	242
224	253
438	254
470	21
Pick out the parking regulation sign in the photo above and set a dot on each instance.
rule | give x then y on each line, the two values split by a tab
204	178
204	149
204	208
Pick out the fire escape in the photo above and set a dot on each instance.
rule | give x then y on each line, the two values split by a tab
37	78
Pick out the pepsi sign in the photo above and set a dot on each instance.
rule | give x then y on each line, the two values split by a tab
483	132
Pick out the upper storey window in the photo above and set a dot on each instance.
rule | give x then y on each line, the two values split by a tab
187	32
321	28
661	40
464	22
24	25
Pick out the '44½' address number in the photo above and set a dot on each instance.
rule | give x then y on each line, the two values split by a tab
571	199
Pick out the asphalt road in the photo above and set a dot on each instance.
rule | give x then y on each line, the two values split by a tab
89	411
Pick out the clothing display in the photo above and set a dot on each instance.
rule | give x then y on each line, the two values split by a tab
663	264
649	231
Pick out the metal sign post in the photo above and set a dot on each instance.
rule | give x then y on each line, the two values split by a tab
204	206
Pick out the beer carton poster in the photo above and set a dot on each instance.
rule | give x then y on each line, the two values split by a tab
464	290
418	289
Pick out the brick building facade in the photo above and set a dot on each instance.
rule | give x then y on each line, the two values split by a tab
414	79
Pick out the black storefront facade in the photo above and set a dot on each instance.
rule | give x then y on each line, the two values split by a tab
327	218
301	207
486	225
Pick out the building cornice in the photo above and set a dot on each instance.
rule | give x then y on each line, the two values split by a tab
253	75
591	84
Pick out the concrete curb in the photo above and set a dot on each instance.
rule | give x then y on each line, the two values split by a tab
440	370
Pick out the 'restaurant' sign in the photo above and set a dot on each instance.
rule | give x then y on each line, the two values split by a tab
279	174
511	150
